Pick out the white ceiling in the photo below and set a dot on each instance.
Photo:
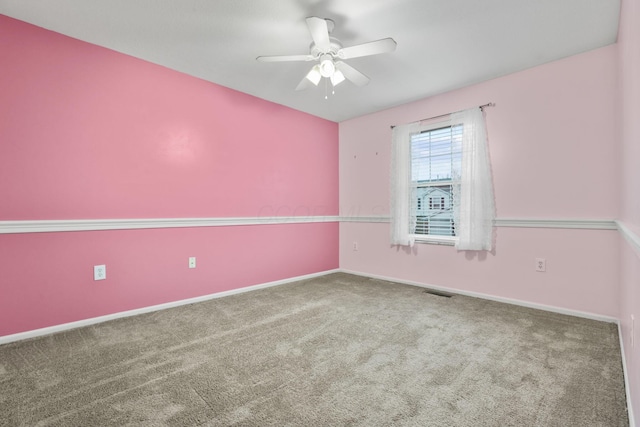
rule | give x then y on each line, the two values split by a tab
442	44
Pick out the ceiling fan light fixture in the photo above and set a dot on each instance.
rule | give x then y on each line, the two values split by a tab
328	54
337	78
327	67
314	76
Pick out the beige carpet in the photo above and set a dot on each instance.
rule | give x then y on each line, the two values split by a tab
339	350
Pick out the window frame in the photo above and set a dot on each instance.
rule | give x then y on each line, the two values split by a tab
433	239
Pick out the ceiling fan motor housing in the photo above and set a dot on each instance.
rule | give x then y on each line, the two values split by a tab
334	48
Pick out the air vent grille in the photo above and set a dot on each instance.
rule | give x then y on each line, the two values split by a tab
438	293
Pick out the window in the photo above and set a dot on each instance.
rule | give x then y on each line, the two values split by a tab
436	169
436	156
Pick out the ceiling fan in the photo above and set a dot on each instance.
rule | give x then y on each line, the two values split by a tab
329	54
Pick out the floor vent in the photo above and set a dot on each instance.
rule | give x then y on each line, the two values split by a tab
438	293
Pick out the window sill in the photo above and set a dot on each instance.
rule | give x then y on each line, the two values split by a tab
432	240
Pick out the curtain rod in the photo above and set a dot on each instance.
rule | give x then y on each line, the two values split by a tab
489	104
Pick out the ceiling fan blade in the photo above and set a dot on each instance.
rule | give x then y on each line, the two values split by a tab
284	58
319	33
366	49
355	76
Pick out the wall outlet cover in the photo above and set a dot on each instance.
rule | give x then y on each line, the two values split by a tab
99	272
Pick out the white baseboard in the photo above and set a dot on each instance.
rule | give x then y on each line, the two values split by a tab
627	387
527	304
92	321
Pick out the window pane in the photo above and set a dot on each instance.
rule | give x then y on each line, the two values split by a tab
435	155
435	165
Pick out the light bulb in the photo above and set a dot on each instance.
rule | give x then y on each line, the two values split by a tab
337	78
314	75
327	67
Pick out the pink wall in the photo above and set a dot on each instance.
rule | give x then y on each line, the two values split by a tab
47	278
570	282
86	133
629	51
90	133
552	140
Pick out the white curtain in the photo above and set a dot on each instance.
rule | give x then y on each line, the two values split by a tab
403	218
473	202
474	208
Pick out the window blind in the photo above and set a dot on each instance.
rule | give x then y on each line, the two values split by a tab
436	158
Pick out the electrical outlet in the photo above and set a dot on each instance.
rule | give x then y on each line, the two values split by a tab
99	272
192	262
355	246
541	265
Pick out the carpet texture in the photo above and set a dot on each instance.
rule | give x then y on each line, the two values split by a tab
339	350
